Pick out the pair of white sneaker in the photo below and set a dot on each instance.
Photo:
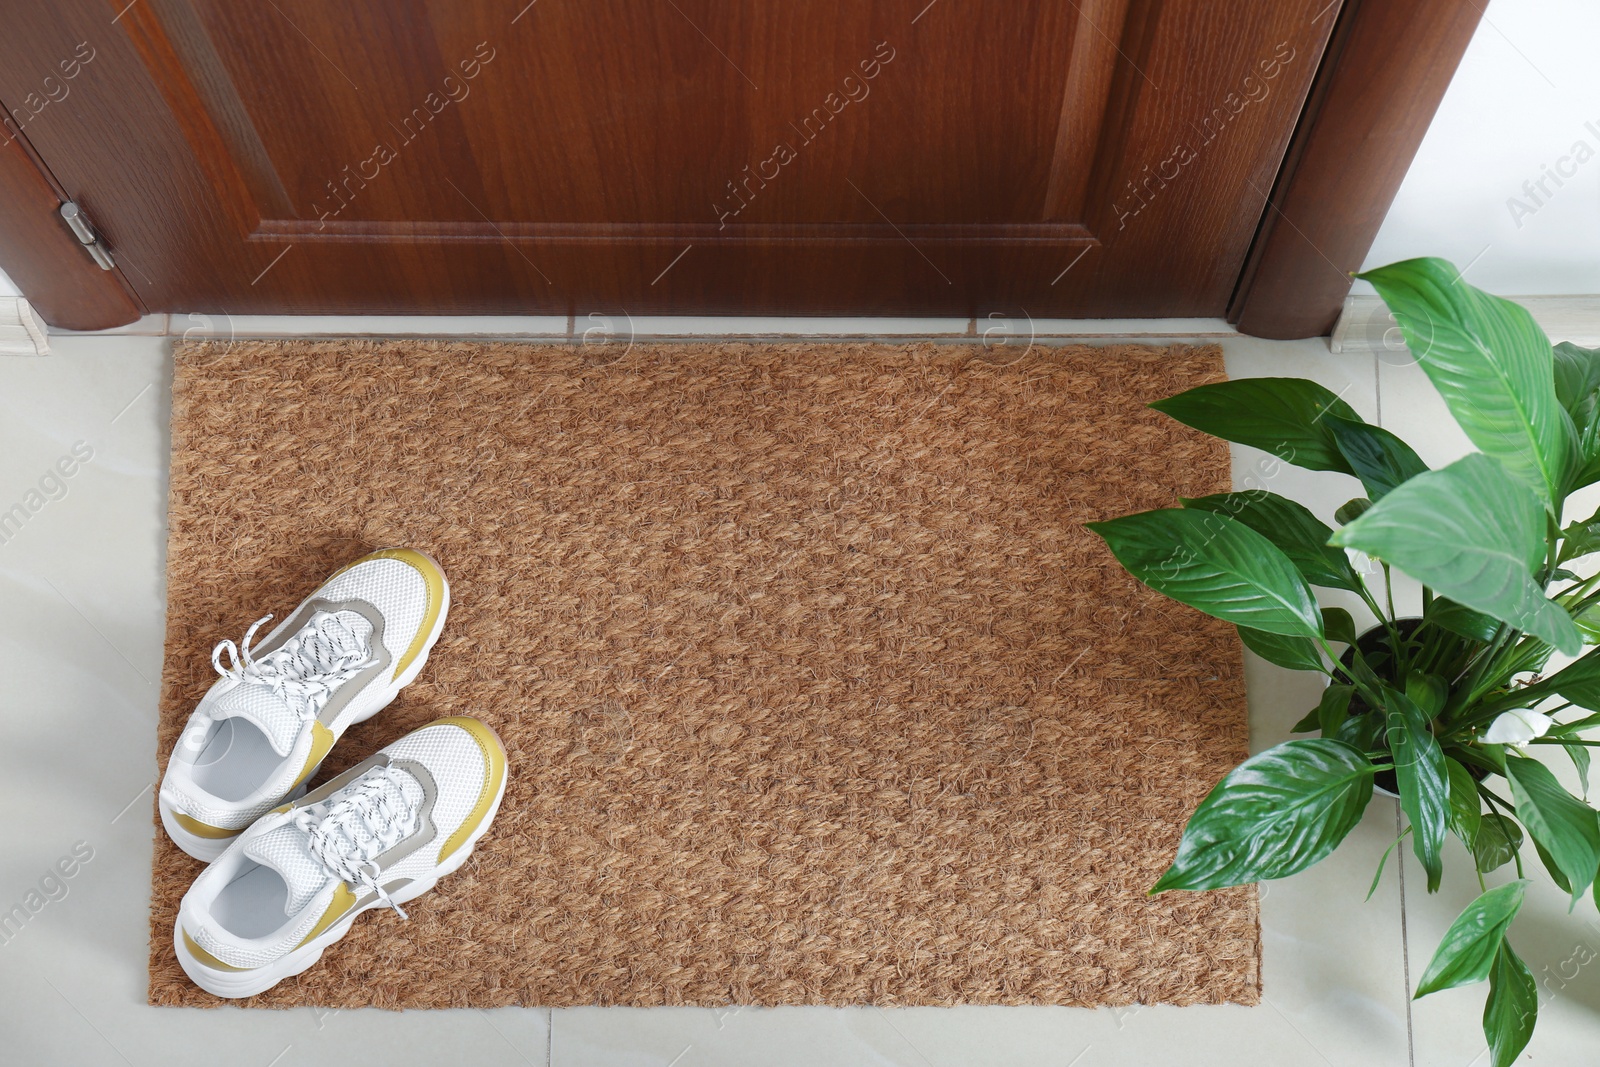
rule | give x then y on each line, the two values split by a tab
289	872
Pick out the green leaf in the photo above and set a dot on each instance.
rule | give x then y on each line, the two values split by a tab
1215	564
1380	459
1302	536
1580	538
1278	415
1364	732
1427	692
1469	946
1274	815
1466	810
1580	760
1339	626
1562	825
1491	363
1334	708
1474	534
1496	843
1462	621
1424	787
1512	1008
1557	875
1351	510
1588	622
1295	653
1577	374
1578	682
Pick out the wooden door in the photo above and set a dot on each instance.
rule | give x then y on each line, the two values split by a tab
1086	158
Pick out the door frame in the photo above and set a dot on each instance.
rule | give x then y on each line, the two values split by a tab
1344	164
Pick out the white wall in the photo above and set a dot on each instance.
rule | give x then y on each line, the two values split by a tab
1525	101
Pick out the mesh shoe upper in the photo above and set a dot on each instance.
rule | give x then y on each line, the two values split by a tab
389	821
328	663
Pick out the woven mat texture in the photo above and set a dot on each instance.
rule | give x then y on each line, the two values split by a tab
814	687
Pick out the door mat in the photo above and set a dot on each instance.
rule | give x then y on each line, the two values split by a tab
814	687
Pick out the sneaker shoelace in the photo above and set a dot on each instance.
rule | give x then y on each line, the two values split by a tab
370	819
305	671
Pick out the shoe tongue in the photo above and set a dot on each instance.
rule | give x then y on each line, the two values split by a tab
284	850
269	711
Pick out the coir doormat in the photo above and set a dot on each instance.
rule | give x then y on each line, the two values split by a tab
815	689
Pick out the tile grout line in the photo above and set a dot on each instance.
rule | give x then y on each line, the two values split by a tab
549	1037
1405	946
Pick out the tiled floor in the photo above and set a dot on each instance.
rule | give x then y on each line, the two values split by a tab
80	649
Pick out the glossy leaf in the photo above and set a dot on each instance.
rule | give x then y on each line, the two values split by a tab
1380	459
1339	626
1557	875
1466	809
1581	537
1578	682
1580	759
1491	363
1577	375
1295	653
1428	692
1424	785
1471	533
1274	815
1468	950
1216	564
1351	510
1334	708
1462	621
1512	1008
1282	416
1497	842
1565	827
1301	535
1364	732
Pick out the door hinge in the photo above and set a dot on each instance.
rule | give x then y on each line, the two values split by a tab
81	228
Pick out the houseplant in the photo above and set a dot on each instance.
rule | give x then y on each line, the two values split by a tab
1448	705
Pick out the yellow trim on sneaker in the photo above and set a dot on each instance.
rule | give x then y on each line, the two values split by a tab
431	574
343	900
205	830
494	758
205	957
322	740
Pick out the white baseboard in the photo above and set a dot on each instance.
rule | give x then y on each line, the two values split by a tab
597	327
1365	324
22	332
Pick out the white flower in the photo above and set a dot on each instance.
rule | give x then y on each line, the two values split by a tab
1518	727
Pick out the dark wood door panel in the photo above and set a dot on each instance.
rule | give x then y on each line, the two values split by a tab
1101	158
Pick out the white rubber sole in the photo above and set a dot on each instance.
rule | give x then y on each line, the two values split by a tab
235	984
207	849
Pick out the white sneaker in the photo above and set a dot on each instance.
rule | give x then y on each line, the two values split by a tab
265	727
379	835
